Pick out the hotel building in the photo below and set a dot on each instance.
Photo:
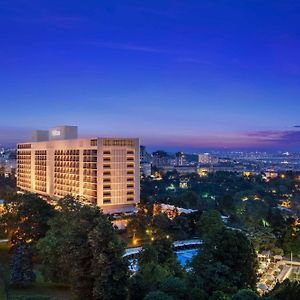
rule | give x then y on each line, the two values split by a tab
102	171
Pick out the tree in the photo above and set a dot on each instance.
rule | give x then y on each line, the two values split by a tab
160	225
286	291
225	263
291	242
197	294
245	295
80	246
22	266
218	295
26	219
7	187
158	295
210	223
175	287
137	226
109	268
160	252
157	263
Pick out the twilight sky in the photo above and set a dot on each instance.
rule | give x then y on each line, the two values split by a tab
180	74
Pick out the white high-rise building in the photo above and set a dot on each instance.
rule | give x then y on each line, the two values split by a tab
206	158
102	171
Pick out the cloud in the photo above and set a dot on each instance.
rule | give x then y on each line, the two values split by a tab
126	46
277	139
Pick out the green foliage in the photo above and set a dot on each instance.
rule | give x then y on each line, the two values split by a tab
82	249
197	294
158	295
157	264
286	291
7	187
175	287
210	224
225	263
138	225
245	295
218	295
109	268
22	266
160	225
26	219
160	252
291	242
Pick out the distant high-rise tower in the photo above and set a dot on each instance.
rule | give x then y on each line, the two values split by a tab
179	159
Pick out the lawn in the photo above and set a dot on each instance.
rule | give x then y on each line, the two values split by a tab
41	290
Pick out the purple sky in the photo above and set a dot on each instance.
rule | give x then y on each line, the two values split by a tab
177	74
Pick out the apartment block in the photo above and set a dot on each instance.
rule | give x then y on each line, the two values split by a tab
101	171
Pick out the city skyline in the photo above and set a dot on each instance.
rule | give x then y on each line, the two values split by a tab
177	75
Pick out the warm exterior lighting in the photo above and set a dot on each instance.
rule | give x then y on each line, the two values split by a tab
247	174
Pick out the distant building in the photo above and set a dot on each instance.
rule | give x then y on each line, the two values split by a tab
160	158
102	171
207	159
145	169
170	211
269	174
179	159
180	169
144	155
8	162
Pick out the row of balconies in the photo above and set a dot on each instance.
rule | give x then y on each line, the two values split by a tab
40	152
67	164
90	179
23	172
40	178
24	162
90	159
67	188
69	178
23	157
89	172
40	157
92	166
66	152
66	171
90	152
24	180
66	158
40	170
24	146
90	186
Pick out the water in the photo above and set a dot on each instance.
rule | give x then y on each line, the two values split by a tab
183	256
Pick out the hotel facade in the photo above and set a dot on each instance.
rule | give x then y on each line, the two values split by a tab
101	171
